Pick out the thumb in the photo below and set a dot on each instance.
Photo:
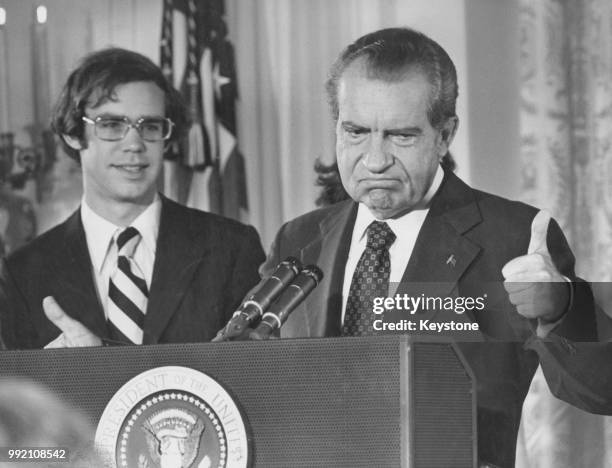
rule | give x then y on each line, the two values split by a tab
539	230
60	319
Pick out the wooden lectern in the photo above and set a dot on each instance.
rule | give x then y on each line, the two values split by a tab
336	402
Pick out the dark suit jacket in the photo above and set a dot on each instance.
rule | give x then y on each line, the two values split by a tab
483	232
203	267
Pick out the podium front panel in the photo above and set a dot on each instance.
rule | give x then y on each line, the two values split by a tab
342	402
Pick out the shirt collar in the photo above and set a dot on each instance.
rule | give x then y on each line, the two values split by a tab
99	231
398	225
147	224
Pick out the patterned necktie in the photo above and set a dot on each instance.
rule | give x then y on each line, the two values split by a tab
127	292
370	280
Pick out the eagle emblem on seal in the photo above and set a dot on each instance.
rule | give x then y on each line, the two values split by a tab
173	438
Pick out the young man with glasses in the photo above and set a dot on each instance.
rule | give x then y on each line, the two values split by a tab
129	266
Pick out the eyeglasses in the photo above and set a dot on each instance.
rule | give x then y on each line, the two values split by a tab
116	128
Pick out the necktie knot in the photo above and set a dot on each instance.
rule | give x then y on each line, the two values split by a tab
380	236
127	240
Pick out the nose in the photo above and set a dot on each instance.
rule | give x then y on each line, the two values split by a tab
377	159
133	141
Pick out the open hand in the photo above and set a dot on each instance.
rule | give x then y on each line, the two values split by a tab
74	333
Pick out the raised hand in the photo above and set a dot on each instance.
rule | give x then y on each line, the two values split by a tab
533	283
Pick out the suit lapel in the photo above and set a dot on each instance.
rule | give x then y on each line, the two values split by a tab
329	251
73	275
177	257
442	253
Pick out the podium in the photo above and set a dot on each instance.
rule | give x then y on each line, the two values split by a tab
380	401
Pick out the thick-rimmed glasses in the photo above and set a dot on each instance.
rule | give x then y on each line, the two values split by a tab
116	128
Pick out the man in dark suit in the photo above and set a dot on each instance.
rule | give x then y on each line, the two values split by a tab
129	265
414	228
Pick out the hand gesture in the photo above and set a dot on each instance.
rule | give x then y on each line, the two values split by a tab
74	333
532	281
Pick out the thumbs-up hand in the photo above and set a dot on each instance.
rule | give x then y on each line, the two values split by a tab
532	281
74	333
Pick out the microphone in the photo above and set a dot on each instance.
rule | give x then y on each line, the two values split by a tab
258	300
289	299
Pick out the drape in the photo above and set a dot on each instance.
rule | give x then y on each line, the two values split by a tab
283	50
566	167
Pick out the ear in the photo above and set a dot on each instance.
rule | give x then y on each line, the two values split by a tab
73	142
447	134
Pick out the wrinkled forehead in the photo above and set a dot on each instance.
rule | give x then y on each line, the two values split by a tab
361	71
367	67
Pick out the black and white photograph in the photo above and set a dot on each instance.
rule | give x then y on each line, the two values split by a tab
306	233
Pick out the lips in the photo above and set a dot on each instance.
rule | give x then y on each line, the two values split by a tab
379	183
131	168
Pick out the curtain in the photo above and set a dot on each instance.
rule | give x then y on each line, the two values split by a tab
566	168
283	51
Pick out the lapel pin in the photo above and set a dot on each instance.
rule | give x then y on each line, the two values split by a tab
451	260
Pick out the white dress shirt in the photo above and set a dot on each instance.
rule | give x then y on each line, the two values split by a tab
406	230
99	233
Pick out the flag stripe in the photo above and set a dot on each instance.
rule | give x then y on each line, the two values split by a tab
208	103
179	47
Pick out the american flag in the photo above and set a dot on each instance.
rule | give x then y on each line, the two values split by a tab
205	170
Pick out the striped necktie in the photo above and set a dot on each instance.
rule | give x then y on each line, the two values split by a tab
127	291
370	280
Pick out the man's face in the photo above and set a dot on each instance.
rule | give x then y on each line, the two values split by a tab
124	171
387	150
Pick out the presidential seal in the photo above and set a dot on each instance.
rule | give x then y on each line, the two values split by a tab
172	417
